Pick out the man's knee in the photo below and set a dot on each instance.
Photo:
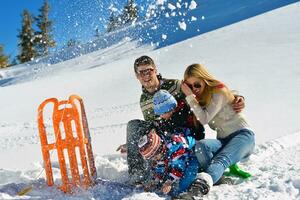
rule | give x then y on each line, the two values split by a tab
133	124
137	128
133	127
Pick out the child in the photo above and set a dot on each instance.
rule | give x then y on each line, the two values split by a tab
174	164
174	114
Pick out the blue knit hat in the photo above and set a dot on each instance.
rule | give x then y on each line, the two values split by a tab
163	102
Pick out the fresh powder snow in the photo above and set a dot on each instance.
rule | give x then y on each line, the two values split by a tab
259	57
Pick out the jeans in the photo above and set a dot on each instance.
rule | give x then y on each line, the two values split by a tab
216	155
138	168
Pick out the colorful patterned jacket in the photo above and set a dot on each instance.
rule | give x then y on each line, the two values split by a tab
179	165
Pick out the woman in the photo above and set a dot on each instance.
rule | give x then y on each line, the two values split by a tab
210	100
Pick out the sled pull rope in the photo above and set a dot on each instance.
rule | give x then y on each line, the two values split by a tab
28	189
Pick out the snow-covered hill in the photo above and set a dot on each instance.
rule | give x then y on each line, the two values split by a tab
259	57
275	166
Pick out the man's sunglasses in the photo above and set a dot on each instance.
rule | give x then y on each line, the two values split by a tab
145	72
196	85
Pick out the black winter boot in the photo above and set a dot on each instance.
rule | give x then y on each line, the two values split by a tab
201	186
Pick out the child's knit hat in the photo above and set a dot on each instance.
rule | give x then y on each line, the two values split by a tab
163	102
149	144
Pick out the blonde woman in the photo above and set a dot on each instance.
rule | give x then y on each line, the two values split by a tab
210	100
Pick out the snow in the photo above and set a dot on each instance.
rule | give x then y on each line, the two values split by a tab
258	57
193	5
160	2
171	6
182	25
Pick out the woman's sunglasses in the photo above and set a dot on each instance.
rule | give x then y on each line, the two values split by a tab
145	72
196	85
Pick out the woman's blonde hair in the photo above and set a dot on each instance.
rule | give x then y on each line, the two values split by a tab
212	85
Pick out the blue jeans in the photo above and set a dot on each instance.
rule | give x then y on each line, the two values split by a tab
216	155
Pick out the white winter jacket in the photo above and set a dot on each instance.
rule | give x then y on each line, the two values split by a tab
219	115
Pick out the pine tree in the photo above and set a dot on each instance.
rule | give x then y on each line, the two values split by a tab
43	37
112	22
3	58
130	12
26	37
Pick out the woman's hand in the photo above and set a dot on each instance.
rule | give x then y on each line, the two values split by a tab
186	89
238	104
167	186
122	148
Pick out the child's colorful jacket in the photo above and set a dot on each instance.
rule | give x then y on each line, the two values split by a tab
179	165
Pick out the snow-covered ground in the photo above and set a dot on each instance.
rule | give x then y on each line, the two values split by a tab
258	57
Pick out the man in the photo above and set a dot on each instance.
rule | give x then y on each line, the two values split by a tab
151	81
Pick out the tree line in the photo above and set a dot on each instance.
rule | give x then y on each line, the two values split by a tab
37	43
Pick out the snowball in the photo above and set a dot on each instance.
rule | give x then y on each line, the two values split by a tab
160	2
154	27
182	25
171	6
194	18
193	5
163	36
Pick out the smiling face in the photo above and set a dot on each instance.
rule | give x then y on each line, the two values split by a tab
146	74
196	85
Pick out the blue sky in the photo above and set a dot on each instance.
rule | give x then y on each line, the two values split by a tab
72	19
78	19
10	20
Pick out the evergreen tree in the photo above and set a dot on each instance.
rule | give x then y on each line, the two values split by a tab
130	12
26	37
3	58
43	37
112	22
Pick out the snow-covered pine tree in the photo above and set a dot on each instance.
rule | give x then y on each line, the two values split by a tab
26	39
112	22
130	12
43	37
